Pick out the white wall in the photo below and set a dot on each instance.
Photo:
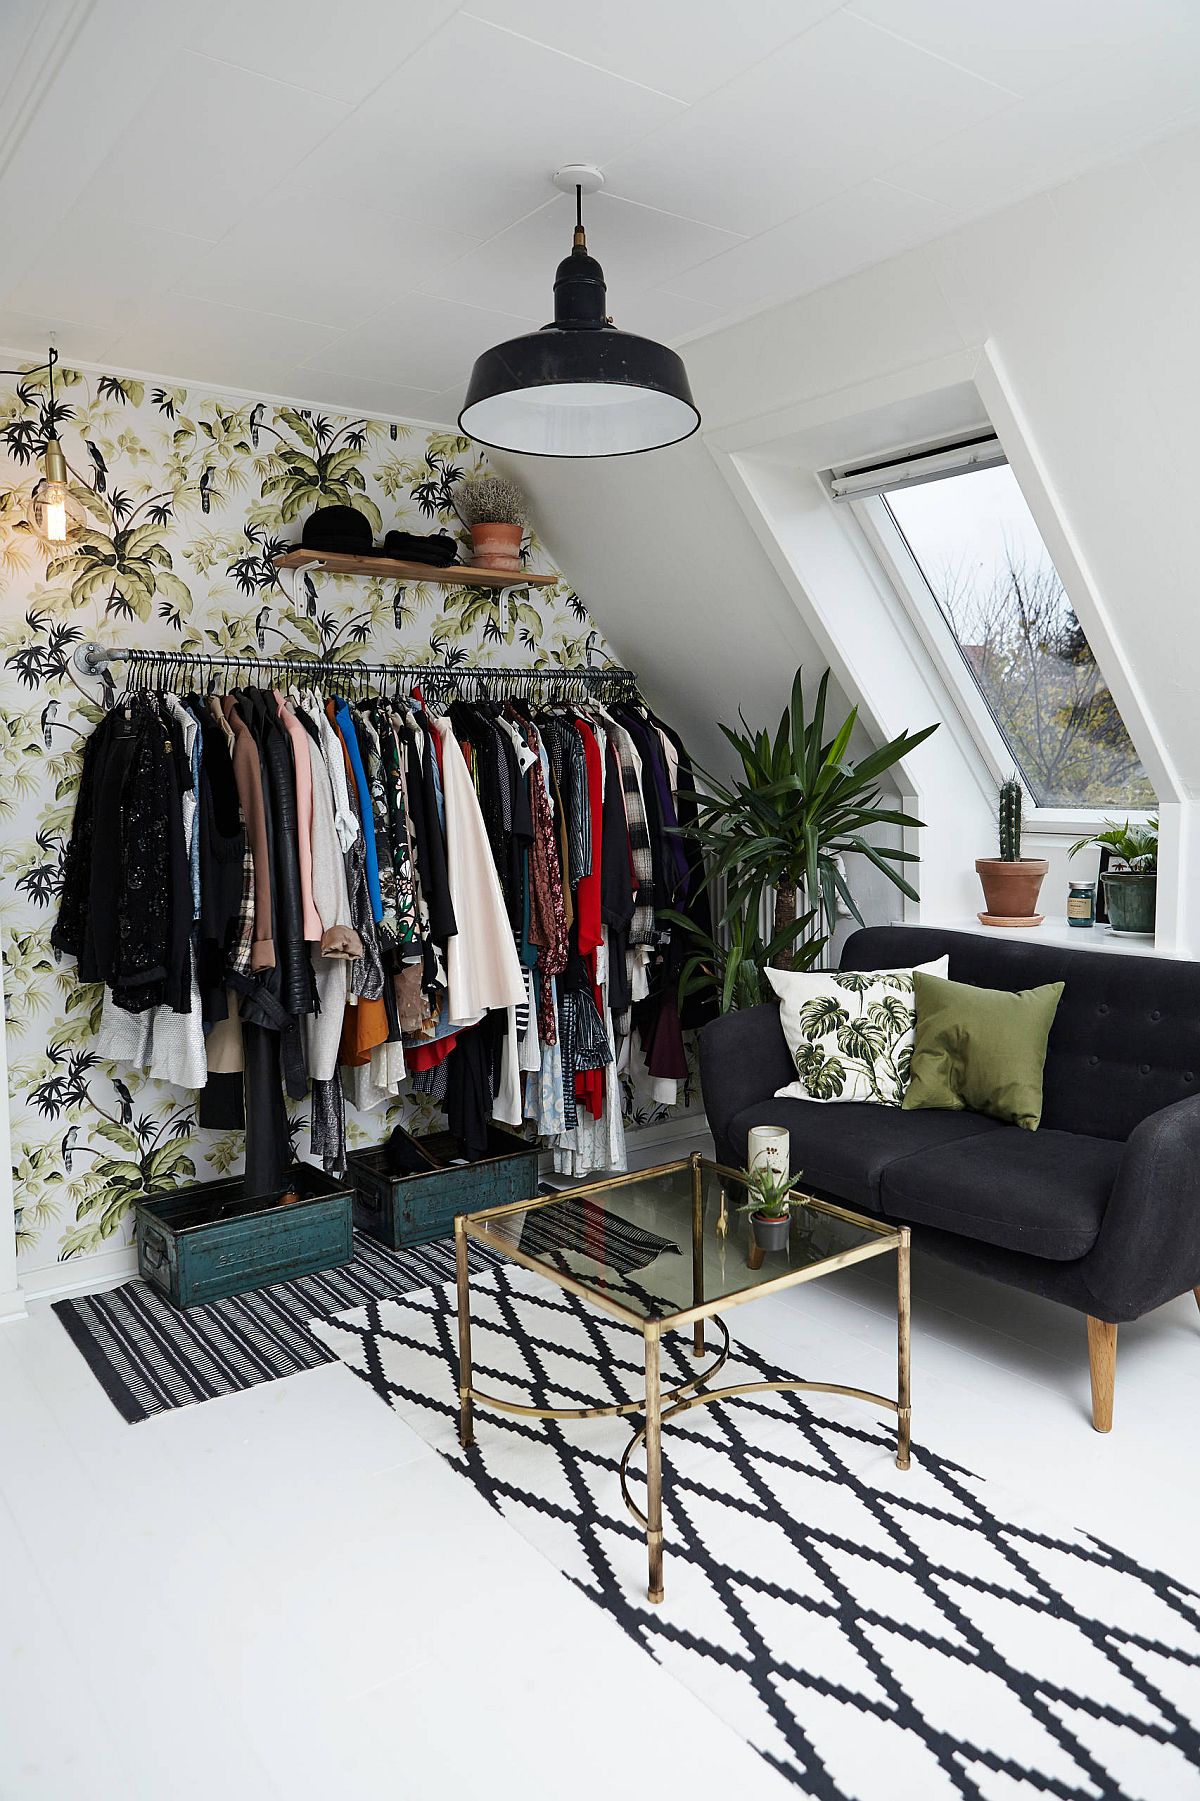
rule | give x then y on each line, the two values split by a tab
671	564
1075	315
666	560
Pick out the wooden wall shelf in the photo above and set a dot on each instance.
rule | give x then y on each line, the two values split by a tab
458	575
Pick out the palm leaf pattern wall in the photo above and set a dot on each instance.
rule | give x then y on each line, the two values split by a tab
183	499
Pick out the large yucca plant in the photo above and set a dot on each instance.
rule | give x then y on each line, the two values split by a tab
799	804
731	961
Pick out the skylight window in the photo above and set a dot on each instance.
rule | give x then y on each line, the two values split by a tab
995	586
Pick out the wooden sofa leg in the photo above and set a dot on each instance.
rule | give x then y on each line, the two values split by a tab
1196	1292
1102	1354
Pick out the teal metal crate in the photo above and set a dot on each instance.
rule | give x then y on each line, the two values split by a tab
401	1210
212	1240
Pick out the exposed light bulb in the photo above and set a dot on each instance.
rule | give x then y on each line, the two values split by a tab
54	512
53	493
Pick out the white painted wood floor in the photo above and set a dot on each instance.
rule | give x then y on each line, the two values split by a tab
286	1593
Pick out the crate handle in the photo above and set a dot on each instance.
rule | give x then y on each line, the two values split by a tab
154	1248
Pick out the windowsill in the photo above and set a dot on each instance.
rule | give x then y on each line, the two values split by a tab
1078	822
1055	930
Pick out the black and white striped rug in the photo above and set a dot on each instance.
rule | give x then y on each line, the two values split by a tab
149	1357
874	1635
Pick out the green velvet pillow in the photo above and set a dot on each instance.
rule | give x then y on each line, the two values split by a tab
981	1049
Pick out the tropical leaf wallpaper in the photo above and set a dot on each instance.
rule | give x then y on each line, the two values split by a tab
180	500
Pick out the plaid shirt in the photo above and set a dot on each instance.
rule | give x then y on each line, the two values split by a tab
243	938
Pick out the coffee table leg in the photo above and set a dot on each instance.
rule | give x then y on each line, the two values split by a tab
466	1420
654	1525
903	1316
697	1252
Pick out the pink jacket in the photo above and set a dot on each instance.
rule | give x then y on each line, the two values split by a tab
313	928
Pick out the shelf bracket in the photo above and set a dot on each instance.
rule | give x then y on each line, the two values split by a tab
300	571
506	595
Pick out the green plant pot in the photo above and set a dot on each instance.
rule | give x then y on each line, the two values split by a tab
771	1234
1131	898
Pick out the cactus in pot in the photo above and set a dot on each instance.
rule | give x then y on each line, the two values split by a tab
1010	822
1011	882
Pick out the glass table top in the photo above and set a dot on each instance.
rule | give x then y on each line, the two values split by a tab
630	1242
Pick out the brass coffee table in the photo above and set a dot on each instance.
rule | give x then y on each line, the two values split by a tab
693	1204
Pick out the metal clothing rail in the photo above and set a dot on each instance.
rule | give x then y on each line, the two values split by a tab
148	666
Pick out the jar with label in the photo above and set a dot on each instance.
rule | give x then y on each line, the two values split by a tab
1081	904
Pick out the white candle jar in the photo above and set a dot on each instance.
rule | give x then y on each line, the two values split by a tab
769	1147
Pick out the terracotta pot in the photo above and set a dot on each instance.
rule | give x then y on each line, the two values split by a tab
771	1234
1011	889
496	546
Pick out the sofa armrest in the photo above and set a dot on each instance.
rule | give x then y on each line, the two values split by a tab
1148	1249
743	1059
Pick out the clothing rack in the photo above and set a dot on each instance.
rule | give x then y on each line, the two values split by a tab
149	668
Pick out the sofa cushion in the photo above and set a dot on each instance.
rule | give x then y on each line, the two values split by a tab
849	1033
1040	1192
981	1048
843	1151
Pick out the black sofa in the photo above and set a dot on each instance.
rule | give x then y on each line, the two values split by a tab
1099	1208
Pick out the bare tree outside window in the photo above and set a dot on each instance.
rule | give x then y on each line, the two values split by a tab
998	590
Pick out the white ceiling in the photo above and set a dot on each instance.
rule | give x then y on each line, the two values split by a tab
347	203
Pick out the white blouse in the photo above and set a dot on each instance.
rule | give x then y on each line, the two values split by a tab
483	969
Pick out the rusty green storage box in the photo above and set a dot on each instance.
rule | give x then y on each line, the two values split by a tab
401	1210
211	1240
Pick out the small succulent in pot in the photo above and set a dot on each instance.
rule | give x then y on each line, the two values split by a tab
494	509
770	1201
1131	880
1011	883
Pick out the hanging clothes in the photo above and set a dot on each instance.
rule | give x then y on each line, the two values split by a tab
482	968
312	926
247	770
334	899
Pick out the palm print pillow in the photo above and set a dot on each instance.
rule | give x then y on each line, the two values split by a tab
850	1032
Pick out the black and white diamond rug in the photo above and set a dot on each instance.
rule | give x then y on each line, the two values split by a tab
873	1634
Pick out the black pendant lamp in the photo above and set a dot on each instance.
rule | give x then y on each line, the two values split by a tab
579	387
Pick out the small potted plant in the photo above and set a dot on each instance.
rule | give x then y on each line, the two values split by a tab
494	509
1011	882
770	1203
1131	887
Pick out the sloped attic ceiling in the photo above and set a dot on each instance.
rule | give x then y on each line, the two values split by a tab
187	188
659	547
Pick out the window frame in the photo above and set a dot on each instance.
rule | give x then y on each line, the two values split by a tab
909	583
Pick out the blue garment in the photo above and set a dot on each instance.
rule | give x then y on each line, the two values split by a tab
345	723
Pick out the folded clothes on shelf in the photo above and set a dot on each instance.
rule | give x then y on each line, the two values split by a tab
436	548
347	532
